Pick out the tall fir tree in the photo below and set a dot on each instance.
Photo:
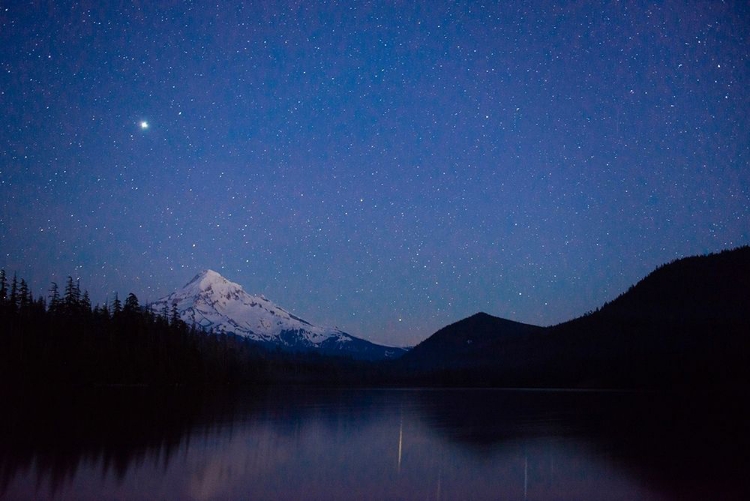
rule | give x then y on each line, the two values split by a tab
131	303
54	298
116	305
72	298
13	302
24	297
175	315
86	302
3	287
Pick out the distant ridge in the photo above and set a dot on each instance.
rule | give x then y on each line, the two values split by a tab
686	324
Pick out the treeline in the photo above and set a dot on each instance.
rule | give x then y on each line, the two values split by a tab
62	339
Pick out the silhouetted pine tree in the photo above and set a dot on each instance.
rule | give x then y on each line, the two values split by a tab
85	302
54	299
3	288
131	304
24	298
13	300
72	298
116	305
175	315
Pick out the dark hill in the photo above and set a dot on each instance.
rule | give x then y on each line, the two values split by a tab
712	288
480	350
686	324
467	342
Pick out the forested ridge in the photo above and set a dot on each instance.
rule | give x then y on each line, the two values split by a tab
685	325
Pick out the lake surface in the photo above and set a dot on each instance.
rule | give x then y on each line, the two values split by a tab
302	443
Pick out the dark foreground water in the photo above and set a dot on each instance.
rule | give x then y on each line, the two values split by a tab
282	443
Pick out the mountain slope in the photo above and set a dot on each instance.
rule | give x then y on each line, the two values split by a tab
213	303
685	324
468	342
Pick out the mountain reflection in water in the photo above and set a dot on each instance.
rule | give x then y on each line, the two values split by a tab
305	443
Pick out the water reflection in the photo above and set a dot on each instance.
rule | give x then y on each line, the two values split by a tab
367	444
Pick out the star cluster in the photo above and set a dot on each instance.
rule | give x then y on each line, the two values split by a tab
384	167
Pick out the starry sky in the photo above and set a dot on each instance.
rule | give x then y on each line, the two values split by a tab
386	167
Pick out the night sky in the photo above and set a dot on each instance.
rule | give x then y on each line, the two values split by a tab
384	167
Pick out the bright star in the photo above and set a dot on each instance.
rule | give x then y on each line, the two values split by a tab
144	125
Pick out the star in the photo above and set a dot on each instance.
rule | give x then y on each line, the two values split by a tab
144	125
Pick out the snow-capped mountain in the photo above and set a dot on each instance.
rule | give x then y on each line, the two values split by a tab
213	303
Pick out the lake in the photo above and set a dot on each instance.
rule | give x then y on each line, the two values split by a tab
426	444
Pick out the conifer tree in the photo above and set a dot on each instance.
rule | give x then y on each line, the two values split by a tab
85	302
175	314
131	303
104	310
3	287
14	294
116	305
24	300
72	297
54	298
40	307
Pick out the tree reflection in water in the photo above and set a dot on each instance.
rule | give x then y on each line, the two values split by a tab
141	443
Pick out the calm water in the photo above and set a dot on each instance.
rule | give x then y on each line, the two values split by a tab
369	444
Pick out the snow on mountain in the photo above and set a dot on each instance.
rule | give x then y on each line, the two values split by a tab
213	303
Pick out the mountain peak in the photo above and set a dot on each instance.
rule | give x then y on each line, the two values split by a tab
210	280
212	302
209	275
